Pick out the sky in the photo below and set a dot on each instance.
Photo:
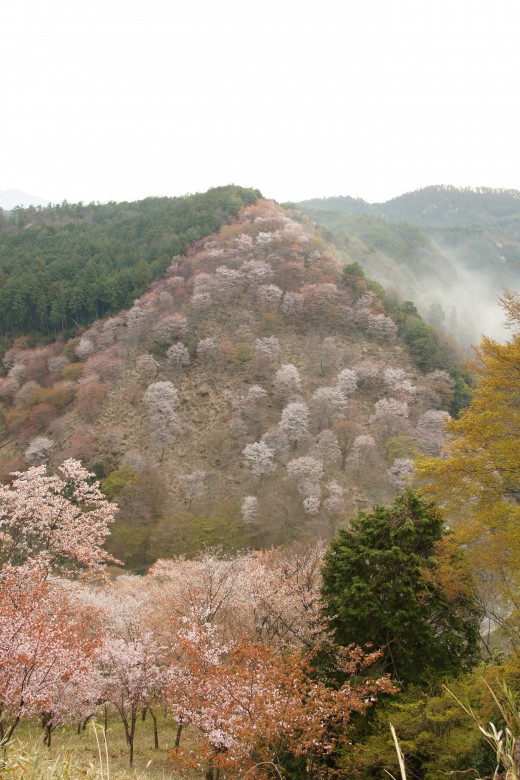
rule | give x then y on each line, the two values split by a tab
119	100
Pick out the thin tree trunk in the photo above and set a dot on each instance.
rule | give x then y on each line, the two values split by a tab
155	732
178	734
132	735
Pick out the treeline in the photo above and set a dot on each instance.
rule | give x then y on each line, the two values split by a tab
66	265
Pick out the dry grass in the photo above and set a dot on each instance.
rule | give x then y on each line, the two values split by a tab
88	756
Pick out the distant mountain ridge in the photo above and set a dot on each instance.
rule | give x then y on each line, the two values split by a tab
437	205
9	199
451	251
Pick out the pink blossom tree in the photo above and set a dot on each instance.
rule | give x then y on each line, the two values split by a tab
132	670
48	644
62	519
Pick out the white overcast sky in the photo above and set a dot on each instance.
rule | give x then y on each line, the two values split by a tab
109	100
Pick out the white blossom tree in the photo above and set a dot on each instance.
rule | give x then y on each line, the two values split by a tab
287	381
295	421
329	404
249	509
260	458
38	450
347	381
160	401
178	356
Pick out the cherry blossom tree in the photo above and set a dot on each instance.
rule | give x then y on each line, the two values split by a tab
362	447
287	381
307	471
268	345
347	381
391	413
228	282
38	450
161	400
132	670
249	509
62	519
203	284
430	431
48	645
260	458
207	349
295	421
381	327
253	704
178	356
401	472
192	485
85	348
257	272
244	243
169	328
269	296
329	404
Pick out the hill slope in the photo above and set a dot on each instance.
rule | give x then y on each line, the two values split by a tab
256	394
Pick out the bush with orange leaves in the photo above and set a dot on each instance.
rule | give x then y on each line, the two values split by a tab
255	705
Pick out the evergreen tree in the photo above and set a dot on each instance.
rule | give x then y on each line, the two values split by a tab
394	580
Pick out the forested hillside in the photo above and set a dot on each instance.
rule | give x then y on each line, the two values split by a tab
253	396
63	266
261	394
451	251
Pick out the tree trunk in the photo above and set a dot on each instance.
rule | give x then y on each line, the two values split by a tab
155	732
131	737
178	735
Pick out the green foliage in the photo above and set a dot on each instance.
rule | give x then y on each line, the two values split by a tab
187	533
128	543
117	480
435	734
72	371
400	447
380	586
244	351
68	264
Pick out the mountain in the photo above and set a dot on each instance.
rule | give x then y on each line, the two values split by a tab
9	199
258	393
63	266
452	251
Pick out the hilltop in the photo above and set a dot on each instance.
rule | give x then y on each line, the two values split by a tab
63	266
258	393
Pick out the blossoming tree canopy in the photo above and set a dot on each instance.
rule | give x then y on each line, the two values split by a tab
62	519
